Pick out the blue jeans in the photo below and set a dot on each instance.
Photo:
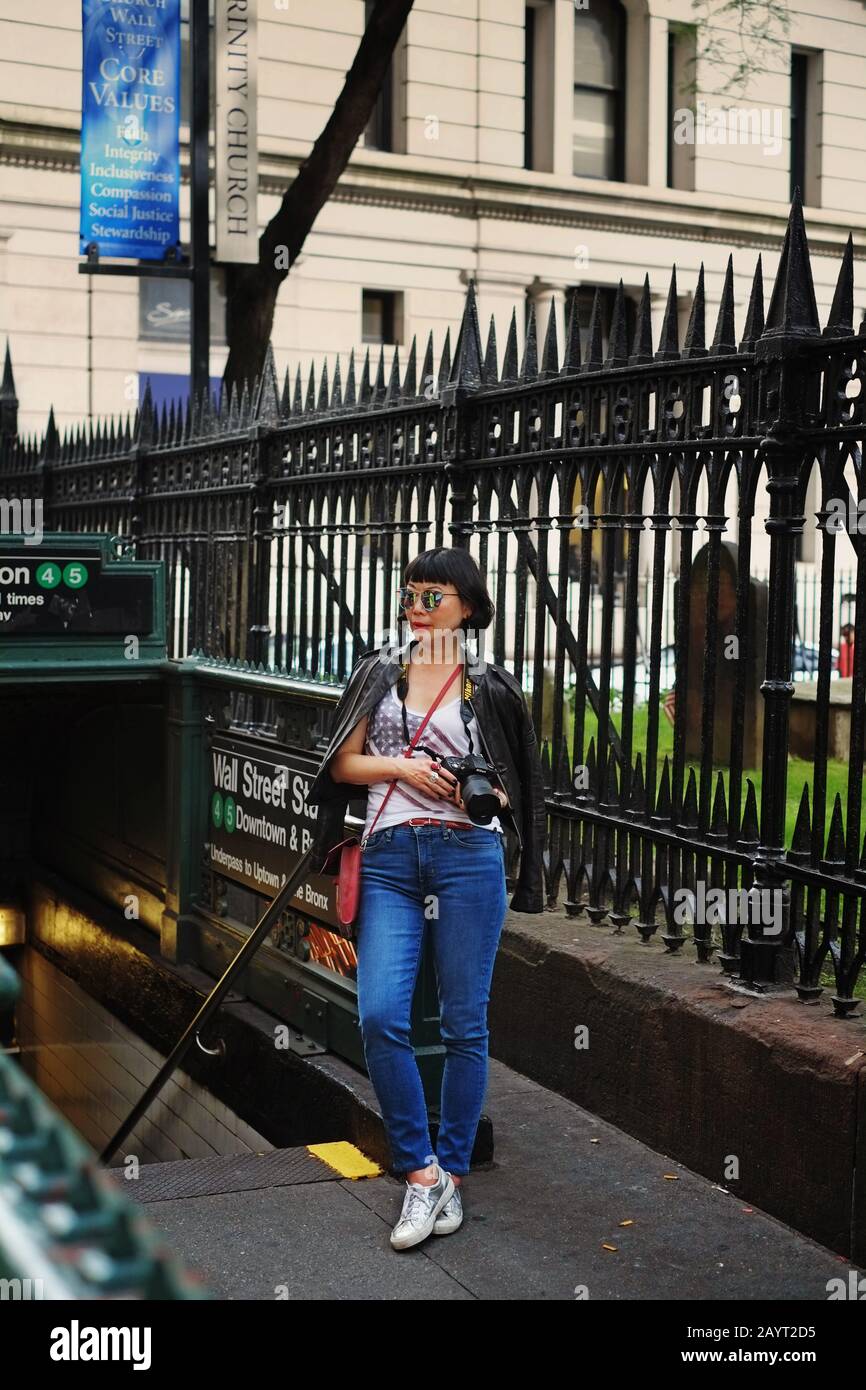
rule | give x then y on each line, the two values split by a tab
413	876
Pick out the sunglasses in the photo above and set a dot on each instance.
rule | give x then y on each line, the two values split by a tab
430	598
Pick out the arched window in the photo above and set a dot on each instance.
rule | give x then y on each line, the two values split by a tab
599	83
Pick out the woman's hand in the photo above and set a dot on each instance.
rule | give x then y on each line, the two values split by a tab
418	773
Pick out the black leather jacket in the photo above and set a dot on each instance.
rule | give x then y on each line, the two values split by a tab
508	742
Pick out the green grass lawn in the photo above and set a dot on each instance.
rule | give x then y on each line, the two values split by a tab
800	771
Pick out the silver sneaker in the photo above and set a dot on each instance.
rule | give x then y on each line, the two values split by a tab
450	1217
421	1206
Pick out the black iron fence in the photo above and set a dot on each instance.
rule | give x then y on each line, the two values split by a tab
703	740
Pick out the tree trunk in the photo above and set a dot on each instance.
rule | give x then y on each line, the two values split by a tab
251	295
251	290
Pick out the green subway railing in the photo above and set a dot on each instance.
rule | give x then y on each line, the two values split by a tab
66	1232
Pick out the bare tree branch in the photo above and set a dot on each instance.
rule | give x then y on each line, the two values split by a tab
736	39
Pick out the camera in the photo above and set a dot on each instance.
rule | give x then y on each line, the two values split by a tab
473	773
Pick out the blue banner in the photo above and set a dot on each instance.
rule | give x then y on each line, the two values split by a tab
130	118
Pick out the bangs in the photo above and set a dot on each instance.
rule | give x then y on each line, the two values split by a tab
431	566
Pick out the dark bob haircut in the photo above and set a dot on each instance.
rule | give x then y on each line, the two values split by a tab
455	567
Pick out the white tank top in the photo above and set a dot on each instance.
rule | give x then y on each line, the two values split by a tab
444	731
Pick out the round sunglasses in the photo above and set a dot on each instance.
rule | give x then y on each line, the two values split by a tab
430	598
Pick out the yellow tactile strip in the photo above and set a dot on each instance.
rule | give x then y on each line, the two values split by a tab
346	1159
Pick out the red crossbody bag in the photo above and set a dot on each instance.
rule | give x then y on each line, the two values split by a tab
348	890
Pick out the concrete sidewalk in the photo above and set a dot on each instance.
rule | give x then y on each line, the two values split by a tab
537	1224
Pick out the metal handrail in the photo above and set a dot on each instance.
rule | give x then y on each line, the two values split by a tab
211	1004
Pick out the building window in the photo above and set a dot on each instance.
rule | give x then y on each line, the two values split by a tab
379	134
164	311
682	56
382	316
529	88
806	125
598	106
584	296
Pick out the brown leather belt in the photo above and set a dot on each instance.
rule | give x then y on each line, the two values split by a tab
434	820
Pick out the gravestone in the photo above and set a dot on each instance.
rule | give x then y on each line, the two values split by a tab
803	720
728	660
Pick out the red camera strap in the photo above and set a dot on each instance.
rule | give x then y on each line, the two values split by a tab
408	752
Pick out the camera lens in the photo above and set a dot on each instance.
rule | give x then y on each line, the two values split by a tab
479	798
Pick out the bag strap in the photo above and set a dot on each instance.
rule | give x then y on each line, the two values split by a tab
419	731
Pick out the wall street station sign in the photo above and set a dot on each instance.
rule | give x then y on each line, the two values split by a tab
259	821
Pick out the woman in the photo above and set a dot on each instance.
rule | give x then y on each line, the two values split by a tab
428	861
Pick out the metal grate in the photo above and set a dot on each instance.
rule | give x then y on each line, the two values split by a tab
204	1177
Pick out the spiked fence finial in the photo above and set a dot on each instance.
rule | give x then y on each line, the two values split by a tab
550	352
267	401
351	395
392	391
793	311
841	317
146	417
491	360
617	348
669	342
572	339
445	361
324	397
51	443
642	347
755	312
379	384
410	380
509	365
593	354
695	344
725	337
529	365
467	369
8	400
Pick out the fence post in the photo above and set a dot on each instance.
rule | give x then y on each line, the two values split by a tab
787	394
142	441
266	414
460	425
185	817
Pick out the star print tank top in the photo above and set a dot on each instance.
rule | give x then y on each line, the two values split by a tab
445	732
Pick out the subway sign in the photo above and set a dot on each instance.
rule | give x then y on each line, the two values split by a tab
259	823
45	593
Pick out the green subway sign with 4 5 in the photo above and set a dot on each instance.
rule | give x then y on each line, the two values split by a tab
53	594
